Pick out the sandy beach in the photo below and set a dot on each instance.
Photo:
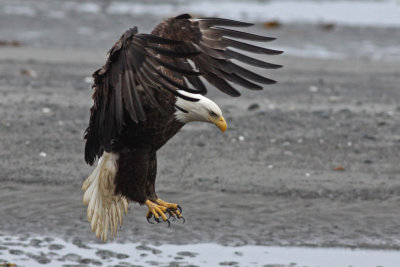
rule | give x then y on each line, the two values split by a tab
311	161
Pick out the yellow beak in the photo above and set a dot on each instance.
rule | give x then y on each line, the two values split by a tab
220	123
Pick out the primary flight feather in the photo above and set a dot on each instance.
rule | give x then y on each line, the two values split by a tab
148	89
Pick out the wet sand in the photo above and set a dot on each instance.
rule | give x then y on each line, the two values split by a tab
56	252
310	161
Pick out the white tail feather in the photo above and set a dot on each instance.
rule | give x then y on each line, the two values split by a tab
105	208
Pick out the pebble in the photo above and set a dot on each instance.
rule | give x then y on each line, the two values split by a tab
153	250
46	110
28	72
313	89
35	243
16	252
187	254
106	254
369	137
56	247
77	242
49	239
253	106
201	144
41	258
229	263
88	79
71	257
91	262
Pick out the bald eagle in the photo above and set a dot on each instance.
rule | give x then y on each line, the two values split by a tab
148	89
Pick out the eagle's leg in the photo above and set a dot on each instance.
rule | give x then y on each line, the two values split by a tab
158	207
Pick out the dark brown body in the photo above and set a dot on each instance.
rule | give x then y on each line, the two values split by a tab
137	147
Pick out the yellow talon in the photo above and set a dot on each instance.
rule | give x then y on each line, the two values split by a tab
156	210
173	209
167	204
159	208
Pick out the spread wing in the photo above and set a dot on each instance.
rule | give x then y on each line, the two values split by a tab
218	46
178	52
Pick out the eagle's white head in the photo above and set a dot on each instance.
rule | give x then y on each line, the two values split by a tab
203	110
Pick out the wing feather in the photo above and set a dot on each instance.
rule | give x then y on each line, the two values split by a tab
154	67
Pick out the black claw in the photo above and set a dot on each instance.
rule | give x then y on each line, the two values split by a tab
169	212
157	220
148	219
169	224
183	220
180	209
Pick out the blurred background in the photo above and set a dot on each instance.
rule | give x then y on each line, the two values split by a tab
366	28
306	175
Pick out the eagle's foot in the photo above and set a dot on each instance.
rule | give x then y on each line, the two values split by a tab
156	211
174	210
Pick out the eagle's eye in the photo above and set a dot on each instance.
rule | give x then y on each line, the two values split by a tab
212	114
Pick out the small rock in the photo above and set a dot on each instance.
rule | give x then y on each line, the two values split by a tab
42	154
313	89
56	247
28	72
106	254
153	250
153	263
46	110
122	256
369	137
201	144
338	168
187	254
229	263
286	144
288	153
77	242
334	99
88	79
71	257
35	242
16	252
49	239
327	26
41	258
253	106
272	24
90	261
10	43
349	144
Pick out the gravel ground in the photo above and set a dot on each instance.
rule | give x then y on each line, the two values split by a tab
310	161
